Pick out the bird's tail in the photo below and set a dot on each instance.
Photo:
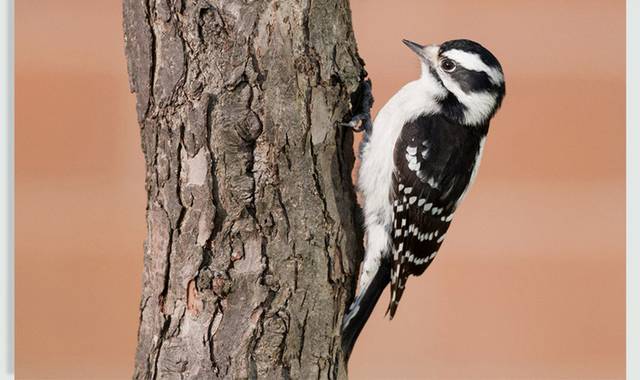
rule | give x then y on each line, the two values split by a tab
361	308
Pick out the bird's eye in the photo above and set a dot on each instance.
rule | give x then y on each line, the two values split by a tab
448	65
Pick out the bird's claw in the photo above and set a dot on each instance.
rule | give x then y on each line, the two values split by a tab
357	123
362	120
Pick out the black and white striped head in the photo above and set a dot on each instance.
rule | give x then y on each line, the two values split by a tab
470	79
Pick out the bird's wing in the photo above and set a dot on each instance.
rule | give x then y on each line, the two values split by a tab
425	192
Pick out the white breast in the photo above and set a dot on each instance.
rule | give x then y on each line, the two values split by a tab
376	170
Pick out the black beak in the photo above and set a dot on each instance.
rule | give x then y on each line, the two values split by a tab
417	48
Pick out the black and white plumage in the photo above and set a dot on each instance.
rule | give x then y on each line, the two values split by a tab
418	162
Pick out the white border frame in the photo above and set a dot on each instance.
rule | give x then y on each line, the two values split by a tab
633	189
7	190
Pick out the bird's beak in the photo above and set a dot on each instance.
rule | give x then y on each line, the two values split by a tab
417	48
427	53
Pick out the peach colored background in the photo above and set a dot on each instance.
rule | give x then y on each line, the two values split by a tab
530	283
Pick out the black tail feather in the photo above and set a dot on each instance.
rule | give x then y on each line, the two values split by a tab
362	307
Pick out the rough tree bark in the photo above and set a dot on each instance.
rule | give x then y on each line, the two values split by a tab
252	240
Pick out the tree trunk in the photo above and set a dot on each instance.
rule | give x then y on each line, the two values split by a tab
252	239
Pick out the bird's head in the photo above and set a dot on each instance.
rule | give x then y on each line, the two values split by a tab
468	80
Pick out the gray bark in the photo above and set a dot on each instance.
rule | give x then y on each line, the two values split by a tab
252	239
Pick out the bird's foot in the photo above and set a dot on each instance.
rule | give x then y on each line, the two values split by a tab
361	103
359	122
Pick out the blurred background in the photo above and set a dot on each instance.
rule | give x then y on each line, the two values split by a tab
530	283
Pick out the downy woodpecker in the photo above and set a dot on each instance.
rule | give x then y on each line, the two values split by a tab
418	160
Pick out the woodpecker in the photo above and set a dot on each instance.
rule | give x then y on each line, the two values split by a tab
419	159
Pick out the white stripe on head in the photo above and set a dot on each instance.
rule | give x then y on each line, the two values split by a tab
479	105
472	61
